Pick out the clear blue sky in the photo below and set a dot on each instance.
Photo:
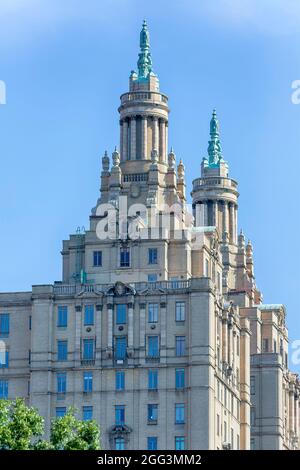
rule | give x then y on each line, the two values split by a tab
65	63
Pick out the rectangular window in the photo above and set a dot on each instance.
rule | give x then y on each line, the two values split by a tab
88	350
121	345
232	439
252	385
252	416
88	381
252	443
61	382
120	415
121	314
180	345
152	277
153	313
87	413
4	359
238	345
3	389
88	315
179	378
152	413
180	311
97	258
179	413
218	425
265	345
62	316
179	443
238	442
152	443
60	411
119	443
120	380
4	325
225	431
62	350
153	348
152	379
275	346
29	322
125	258
152	256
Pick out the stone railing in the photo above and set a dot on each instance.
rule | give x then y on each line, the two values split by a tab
144	96
214	181
135	177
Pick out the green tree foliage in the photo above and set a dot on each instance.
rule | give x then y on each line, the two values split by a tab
22	428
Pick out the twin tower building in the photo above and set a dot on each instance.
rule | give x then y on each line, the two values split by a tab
157	329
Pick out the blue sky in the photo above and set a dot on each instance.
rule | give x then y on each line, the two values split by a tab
65	64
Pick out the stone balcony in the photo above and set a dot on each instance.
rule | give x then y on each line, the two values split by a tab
142	96
221	182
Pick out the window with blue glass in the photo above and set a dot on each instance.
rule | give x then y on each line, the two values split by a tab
62	350
179	413
152	413
4	359
179	443
180	345
88	381
61	382
88	315
120	443
62	316
152	379
87	413
152	256
179	378
3	389
153	348
152	313
88	349
120	415
97	258
152	443
152	277
61	411
121	345
120	380
4	324
125	257
180	311
121	314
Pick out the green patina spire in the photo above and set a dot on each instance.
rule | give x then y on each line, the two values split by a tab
214	145
145	60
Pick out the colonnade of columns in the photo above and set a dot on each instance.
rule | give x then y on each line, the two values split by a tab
138	139
219	213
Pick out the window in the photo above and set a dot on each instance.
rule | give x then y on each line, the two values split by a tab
232	439
180	311
179	378
62	350
252	416
265	345
152	413
225	431
238	442
180	345
238	345
4	359
61	382
120	380
152	379
152	256
152	277
275	346
153	349
89	315
252	443
87	413
124	257
252	385
218	425
219	281
97	258
88	381
120	415
3	389
120	443
152	313
152	443
179	443
29	322
60	411
121	314
179	413
88	349
121	345
4	324
62	317
206	268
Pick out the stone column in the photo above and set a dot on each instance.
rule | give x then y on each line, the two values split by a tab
130	325
144	137
133	138
162	141
236	223
225	216
121	139
125	141
155	142
199	214
205	210
215	212
231	222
